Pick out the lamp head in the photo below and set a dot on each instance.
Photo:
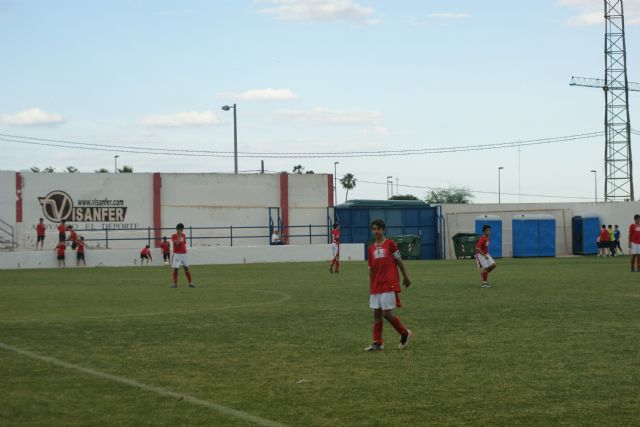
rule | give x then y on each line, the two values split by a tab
226	107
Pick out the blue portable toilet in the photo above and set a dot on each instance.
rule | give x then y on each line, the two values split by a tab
495	222
525	236
585	229
547	235
534	236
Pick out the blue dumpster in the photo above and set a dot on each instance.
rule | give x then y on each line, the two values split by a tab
495	222
534	236
585	229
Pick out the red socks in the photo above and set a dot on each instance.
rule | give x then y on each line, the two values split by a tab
377	332
338	264
485	275
398	326
175	277
188	273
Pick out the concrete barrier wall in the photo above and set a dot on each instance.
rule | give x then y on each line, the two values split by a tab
143	200
197	256
461	219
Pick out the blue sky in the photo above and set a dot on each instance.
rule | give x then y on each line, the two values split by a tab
315	76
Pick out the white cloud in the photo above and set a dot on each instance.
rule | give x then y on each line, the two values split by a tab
267	94
190	118
325	116
32	117
591	12
320	10
450	15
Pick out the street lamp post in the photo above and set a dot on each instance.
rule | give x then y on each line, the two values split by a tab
235	136
595	184
115	162
499	190
389	181
335	183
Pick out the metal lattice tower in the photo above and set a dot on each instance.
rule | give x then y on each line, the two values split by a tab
617	158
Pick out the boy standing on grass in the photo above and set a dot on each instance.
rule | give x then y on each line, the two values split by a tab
179	241
145	254
634	242
486	264
165	247
80	252
335	248
60	248
617	234
384	286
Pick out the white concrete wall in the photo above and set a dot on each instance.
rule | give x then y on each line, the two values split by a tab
461	219
197	256
197	200
134	190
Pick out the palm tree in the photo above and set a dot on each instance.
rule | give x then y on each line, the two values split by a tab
348	182
298	169
125	169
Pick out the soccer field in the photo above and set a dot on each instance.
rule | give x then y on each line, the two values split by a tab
555	341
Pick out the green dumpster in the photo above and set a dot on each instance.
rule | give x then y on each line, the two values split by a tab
464	244
409	245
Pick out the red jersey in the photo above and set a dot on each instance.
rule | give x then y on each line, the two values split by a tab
604	235
165	247
40	229
80	248
483	245
634	233
335	236
145	251
61	248
62	229
179	243
384	270
73	236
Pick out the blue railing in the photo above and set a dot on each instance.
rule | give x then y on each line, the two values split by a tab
229	233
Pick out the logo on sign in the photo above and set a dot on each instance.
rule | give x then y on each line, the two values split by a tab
58	206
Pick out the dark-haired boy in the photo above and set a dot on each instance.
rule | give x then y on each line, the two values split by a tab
384	285
634	242
165	247
80	252
486	264
335	248
145	255
179	241
41	231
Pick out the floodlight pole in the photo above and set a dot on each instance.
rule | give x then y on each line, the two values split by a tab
115	162
595	185
235	136
499	192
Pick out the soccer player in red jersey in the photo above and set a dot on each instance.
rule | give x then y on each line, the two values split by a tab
145	254
60	248
384	285
62	231
604	241
486	264
179	241
41	230
335	248
80	252
73	237
634	242
165	247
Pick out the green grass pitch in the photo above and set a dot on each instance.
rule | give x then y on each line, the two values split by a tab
555	342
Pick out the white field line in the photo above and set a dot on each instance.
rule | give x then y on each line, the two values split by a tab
133	383
284	297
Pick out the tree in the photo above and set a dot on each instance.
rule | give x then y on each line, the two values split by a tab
49	169
449	195
348	182
102	170
403	197
309	172
298	169
72	169
125	169
35	169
